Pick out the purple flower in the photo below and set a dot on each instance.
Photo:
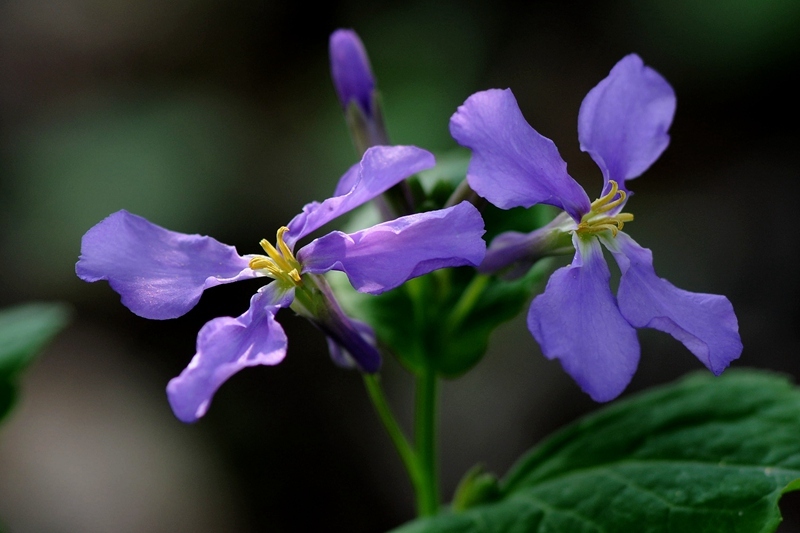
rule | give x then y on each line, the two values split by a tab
623	125
161	274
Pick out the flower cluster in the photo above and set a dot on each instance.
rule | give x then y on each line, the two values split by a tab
161	274
622	125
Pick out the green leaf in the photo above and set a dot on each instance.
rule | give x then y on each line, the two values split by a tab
476	487
706	454
24	331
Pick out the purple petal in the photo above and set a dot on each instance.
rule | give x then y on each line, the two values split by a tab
512	165
704	323
576	320
387	255
347	181
623	121
226	345
275	295
350	70
159	273
379	169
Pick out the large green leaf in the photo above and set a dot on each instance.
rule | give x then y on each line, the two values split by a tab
706	454
24	331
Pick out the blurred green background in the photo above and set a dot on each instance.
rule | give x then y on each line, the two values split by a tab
219	118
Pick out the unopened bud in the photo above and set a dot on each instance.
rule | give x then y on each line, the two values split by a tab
351	72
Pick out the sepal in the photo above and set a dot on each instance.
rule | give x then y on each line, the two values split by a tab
353	341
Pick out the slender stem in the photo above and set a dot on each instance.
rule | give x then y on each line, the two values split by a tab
425	433
467	301
464	192
404	449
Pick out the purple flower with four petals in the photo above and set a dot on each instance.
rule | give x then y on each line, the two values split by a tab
622	124
161	274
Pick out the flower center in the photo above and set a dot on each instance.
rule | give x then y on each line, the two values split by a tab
279	263
597	221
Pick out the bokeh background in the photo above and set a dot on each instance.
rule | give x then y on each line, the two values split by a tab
219	118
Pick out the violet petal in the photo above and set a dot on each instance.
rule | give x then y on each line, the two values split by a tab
512	165
159	273
226	345
704	323
624	119
576	320
387	255
347	181
381	168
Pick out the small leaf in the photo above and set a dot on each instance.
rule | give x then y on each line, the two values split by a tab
476	487
706	454
24	331
463	340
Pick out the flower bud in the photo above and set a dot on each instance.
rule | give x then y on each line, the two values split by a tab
355	87
351	72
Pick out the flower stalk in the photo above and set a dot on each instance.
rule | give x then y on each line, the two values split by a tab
425	435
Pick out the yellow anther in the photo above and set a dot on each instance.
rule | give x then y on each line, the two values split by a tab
260	262
607	202
274	254
611	205
594	222
279	263
281	244
608	197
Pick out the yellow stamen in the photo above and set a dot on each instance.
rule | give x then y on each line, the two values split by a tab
281	244
595	222
295	275
279	263
605	199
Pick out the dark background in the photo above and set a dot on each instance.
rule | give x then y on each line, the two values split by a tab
219	118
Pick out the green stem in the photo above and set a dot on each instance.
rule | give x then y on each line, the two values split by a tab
466	303
464	192
404	449
425	433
